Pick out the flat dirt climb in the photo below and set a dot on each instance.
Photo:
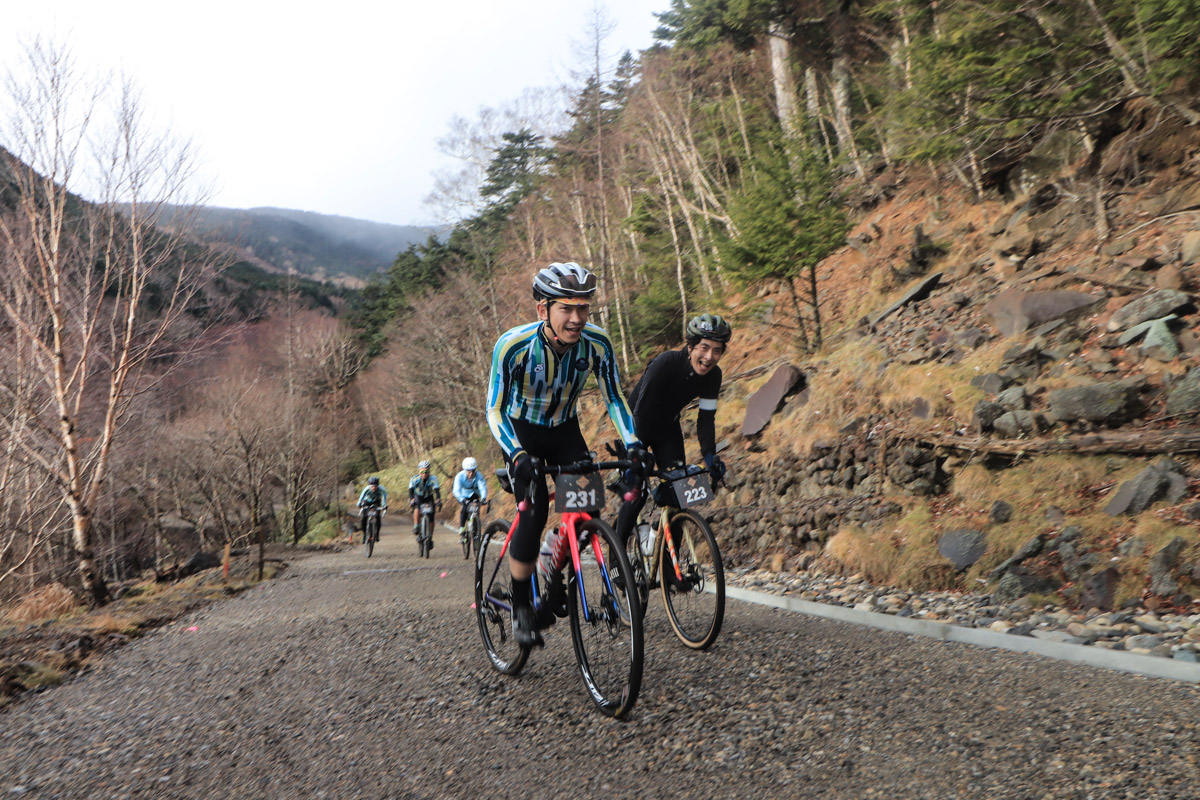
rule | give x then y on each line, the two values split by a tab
357	678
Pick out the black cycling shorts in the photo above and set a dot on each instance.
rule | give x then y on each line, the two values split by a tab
562	444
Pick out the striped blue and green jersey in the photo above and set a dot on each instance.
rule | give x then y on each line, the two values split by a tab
531	382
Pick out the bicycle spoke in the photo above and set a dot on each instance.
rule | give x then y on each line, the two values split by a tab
606	626
493	601
693	583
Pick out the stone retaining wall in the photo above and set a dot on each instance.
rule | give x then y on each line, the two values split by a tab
796	503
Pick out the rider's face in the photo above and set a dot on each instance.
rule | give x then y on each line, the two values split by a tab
470	474
705	355
567	319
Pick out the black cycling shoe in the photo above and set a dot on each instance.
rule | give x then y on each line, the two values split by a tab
558	596
525	628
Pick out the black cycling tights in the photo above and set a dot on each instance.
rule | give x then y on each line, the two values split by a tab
562	444
668	452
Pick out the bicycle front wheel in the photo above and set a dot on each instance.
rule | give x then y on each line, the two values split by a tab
372	534
695	597
426	537
493	602
606	621
473	532
466	543
638	569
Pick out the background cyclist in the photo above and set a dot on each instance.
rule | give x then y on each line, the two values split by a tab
424	488
467	484
538	372
372	495
672	381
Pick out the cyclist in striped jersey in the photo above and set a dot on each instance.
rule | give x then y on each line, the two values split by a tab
538	373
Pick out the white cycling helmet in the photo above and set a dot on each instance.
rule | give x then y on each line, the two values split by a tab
470	464
424	464
564	282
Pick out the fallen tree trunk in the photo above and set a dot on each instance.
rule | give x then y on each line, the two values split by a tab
1136	442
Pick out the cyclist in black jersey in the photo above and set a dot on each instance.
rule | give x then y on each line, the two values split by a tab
674	379
538	372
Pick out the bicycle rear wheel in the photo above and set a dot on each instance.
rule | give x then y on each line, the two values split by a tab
606	621
493	602
696	603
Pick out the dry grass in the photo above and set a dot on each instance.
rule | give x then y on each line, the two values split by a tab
849	372
875	558
43	675
106	622
46	602
947	387
904	555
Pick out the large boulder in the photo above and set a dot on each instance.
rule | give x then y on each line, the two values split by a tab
1016	424
1154	305
1190	250
963	547
1017	582
1184	396
763	404
1099	589
1013	310
1162	567
1162	480
1111	403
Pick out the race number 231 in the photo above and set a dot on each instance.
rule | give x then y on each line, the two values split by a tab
579	493
581	500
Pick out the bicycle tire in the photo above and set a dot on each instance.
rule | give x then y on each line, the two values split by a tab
475	533
425	537
371	534
697	608
493	598
639	569
609	645
466	543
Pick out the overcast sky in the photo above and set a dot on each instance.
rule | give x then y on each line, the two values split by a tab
333	107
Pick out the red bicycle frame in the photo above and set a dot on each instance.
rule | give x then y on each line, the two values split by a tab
570	519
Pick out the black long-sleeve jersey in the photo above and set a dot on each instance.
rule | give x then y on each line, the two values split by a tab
666	387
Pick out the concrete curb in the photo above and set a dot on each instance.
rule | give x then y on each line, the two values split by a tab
1080	654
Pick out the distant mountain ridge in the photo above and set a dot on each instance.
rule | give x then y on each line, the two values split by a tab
324	247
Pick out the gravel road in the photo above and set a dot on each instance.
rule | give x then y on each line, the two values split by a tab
365	678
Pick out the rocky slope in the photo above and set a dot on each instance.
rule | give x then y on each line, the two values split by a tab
1009	398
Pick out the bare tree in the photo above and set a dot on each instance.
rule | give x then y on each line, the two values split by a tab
91	288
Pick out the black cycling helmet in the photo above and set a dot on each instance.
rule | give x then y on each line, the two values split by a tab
373	481
566	281
709	326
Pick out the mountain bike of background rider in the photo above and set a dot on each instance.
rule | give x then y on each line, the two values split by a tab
683	561
470	535
371	527
590	588
425	528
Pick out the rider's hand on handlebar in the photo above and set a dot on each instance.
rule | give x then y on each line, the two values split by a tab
641	459
716	466
523	468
